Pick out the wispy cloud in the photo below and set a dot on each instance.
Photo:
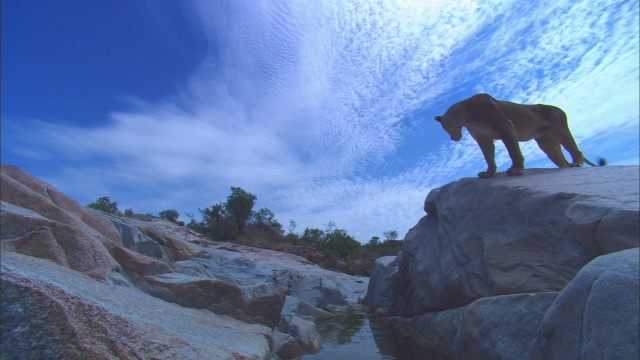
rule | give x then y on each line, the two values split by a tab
305	103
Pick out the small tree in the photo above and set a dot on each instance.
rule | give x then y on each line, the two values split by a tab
313	235
128	212
292	226
213	215
266	219
169	215
390	235
331	226
215	223
104	204
375	240
240	205
340	243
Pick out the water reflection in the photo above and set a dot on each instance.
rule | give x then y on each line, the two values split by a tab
354	337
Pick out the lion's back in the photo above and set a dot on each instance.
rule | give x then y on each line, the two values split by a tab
538	114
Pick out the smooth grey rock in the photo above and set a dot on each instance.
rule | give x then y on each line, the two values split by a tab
52	312
516	234
499	327
597	316
379	290
315	290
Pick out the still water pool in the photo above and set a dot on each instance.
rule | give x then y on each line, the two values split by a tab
357	337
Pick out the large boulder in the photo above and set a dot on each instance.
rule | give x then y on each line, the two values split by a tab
285	346
379	290
597	315
315	290
304	331
499	327
504	268
510	235
52	312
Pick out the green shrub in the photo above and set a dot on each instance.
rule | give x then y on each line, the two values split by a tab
105	204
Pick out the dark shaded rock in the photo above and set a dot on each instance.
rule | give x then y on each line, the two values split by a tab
504	268
499	327
597	315
509	235
286	346
379	290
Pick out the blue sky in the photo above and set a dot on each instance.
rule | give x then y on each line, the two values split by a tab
323	109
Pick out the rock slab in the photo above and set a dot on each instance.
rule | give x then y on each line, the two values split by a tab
52	312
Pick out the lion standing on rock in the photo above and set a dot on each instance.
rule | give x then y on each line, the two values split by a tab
488	119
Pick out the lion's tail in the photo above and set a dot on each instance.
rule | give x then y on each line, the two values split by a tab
601	162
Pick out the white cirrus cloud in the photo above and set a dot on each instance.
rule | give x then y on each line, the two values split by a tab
308	103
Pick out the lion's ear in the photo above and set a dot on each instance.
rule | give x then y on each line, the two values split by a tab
438	118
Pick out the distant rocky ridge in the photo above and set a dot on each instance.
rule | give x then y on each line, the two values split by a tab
79	283
540	266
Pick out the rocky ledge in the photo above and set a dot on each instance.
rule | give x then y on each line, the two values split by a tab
79	283
540	266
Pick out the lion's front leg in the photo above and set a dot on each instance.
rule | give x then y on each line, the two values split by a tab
489	152
510	140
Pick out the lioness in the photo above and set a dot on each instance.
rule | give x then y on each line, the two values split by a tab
488	119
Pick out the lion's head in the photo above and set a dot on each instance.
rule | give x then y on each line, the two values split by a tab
452	122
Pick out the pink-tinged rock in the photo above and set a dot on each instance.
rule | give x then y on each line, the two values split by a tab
52	312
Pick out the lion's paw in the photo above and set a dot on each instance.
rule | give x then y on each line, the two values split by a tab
485	174
515	171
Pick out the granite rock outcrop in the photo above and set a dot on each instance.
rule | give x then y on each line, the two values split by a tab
489	267
147	288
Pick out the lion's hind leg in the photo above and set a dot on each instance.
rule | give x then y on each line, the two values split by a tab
552	148
570	145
